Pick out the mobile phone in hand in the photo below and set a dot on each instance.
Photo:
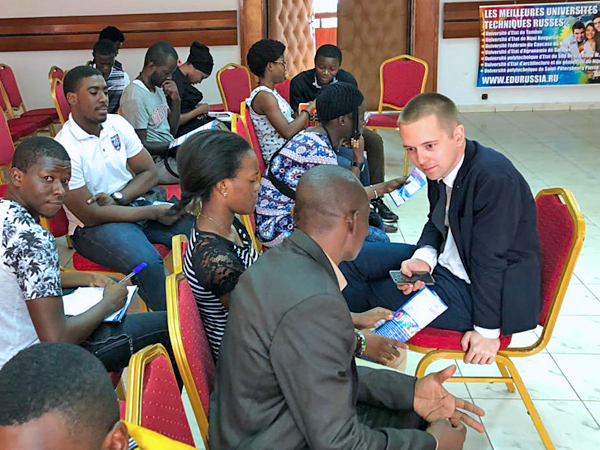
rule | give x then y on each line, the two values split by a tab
400	278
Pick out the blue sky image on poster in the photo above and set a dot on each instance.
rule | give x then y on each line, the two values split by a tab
539	45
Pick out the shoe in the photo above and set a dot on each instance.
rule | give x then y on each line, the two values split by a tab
388	228
385	212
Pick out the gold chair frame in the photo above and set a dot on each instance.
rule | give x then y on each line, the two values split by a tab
509	373
220	85
55	100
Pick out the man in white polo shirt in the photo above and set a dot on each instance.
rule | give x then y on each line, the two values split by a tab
108	221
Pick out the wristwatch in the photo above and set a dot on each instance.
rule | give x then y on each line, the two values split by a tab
361	344
360	165
117	197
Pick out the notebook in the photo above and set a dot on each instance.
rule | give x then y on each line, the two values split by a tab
413	316
84	298
215	124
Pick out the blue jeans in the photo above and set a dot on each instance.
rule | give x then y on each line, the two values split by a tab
370	285
121	246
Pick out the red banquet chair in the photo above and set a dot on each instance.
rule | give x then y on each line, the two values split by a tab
43	117
7	148
153	397
55	72
234	85
561	228
20	127
400	79
245	115
190	344
284	88
60	100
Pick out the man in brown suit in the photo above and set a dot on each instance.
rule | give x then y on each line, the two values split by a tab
286	376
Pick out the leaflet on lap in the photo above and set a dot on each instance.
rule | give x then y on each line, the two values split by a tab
416	180
208	126
413	316
84	298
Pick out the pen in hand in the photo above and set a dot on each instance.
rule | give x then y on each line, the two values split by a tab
133	272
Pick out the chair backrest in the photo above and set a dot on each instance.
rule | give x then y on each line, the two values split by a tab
55	72
284	88
60	101
400	79
238	126
250	224
234	85
153	397
190	346
561	228
5	103
7	148
245	114
3	188
179	245
58	225
8	80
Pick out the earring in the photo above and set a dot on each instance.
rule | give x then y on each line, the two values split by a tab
225	194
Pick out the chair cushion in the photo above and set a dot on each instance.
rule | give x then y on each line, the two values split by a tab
446	339
383	120
46	112
172	190
80	262
216	107
20	128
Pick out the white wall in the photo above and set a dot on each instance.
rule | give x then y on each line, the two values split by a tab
31	68
458	61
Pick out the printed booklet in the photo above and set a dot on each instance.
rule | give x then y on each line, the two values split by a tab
416	180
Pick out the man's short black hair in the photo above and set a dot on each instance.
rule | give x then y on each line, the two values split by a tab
159	53
578	25
329	51
104	47
62	378
31	149
262	53
74	76
112	34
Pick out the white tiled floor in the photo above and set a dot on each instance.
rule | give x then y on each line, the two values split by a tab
551	148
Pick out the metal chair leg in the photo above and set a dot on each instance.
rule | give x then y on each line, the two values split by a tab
504	372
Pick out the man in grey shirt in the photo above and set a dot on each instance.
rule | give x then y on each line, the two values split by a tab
286	376
151	104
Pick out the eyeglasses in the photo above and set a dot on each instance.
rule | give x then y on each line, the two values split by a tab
281	62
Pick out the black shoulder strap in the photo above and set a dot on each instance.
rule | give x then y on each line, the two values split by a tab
280	185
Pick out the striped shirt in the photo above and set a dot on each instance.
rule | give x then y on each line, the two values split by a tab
213	265
117	81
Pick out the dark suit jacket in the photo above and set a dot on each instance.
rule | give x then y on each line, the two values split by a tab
494	223
286	377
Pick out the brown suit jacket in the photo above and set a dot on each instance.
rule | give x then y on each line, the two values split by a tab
286	376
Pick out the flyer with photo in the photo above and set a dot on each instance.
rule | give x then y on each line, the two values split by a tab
415	181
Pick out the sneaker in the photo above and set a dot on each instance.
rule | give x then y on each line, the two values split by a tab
385	212
389	228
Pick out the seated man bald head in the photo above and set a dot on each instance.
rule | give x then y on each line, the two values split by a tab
286	377
332	207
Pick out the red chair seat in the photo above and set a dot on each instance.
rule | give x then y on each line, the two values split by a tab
216	107
446	339
172	190
47	112
20	128
383	120
80	262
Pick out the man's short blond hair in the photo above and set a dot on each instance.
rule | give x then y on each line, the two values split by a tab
424	105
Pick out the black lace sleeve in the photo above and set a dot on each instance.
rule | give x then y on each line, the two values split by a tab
216	264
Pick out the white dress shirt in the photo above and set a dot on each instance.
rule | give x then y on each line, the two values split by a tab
450	258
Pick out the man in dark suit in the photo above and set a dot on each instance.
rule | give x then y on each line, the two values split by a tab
286	377
480	241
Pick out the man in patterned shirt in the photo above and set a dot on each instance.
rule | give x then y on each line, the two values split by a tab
31	304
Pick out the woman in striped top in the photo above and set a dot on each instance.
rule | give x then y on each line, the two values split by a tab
219	169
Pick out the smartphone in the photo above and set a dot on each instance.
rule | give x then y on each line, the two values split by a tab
400	278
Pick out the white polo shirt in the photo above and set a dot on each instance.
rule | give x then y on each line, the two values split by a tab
99	163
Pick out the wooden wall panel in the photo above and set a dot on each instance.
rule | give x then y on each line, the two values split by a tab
141	30
461	20
424	26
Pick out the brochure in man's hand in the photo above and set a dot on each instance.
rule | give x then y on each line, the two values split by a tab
415	181
413	316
